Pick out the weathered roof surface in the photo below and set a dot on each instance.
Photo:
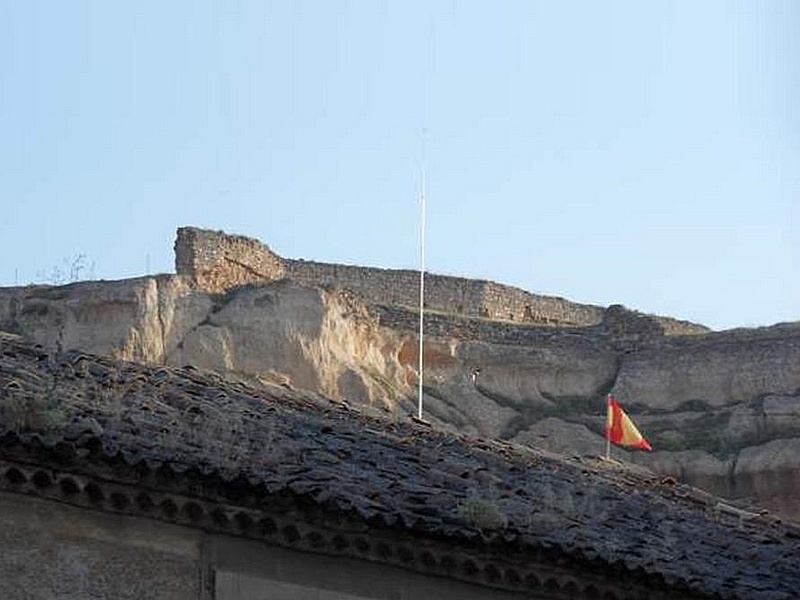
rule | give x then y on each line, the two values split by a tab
402	476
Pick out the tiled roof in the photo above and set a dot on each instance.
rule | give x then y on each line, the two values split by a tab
395	476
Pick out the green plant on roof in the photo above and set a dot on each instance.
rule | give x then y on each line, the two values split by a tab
481	514
26	411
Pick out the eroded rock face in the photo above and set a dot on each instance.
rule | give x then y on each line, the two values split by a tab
715	369
722	410
121	318
306	337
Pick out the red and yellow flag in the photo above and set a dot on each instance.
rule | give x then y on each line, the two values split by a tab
620	430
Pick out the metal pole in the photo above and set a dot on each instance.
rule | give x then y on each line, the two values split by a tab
421	283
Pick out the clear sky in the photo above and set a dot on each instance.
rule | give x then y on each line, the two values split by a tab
641	153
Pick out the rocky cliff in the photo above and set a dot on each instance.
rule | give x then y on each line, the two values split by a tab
721	409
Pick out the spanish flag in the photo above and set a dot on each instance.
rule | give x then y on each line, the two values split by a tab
620	430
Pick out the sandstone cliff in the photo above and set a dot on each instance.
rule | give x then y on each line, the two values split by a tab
721	409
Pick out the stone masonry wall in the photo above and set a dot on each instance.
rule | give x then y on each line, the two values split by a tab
514	304
679	327
217	262
369	283
444	293
393	287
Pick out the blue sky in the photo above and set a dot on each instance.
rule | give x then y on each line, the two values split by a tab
642	153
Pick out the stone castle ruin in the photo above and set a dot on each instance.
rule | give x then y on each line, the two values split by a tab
217	262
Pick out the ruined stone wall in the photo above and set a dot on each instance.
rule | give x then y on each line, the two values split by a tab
678	327
217	262
514	304
393	287
379	286
454	295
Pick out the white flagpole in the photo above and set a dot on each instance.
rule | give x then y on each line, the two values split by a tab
421	275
